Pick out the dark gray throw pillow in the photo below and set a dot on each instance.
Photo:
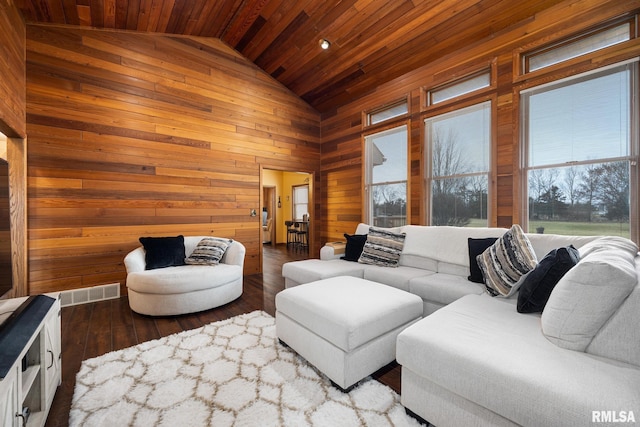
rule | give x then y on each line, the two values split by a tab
476	247
163	251
354	246
537	286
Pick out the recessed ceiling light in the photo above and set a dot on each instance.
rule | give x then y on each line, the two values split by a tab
324	43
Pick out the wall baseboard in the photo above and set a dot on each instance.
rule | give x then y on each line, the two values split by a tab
87	295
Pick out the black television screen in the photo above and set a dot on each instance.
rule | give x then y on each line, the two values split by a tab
6	281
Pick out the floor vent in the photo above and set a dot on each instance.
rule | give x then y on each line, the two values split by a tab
85	295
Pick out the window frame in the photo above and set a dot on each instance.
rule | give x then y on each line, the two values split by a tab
428	161
367	171
367	114
293	201
634	148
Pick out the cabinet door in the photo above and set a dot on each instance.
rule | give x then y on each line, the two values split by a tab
52	363
9	399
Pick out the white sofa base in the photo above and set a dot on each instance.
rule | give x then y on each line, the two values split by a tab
180	303
346	327
441	407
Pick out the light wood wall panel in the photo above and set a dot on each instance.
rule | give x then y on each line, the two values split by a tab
342	204
147	135
13	126
12	53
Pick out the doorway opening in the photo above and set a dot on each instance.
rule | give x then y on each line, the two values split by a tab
281	204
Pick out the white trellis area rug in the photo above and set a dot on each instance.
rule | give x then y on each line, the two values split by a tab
228	373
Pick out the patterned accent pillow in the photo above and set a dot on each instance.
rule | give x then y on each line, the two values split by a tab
505	262
209	251
382	248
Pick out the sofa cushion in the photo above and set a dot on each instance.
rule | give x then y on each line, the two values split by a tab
443	288
310	270
396	277
382	248
209	251
537	286
477	247
619	338
505	262
481	349
353	248
163	252
588	295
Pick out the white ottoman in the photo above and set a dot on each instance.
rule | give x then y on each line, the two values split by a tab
345	326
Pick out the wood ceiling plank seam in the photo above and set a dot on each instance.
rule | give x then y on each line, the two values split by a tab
109	13
242	21
210	22
230	9
283	42
70	12
97	12
278	22
198	21
121	14
142	21
155	12
165	15
179	14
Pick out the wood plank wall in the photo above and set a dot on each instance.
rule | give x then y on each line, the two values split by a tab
342	169
13	126
148	135
12	80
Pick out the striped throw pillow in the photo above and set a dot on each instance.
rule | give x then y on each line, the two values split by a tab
505	262
209	251
382	248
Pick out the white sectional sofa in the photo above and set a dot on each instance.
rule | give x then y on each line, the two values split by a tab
474	360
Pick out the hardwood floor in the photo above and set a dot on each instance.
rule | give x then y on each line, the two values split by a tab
90	330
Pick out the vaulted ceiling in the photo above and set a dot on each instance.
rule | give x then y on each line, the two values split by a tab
372	41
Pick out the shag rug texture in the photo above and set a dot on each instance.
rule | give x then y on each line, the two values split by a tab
228	373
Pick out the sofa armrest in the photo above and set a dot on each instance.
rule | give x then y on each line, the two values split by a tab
332	250
234	255
134	261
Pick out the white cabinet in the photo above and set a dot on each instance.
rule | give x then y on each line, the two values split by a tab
30	359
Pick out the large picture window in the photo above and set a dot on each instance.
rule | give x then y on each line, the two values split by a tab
459	145
581	153
386	177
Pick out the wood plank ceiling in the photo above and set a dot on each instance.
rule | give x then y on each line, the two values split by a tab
372	41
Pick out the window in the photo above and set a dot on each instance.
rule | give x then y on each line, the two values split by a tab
300	201
459	145
395	110
581	153
461	87
576	47
386	177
